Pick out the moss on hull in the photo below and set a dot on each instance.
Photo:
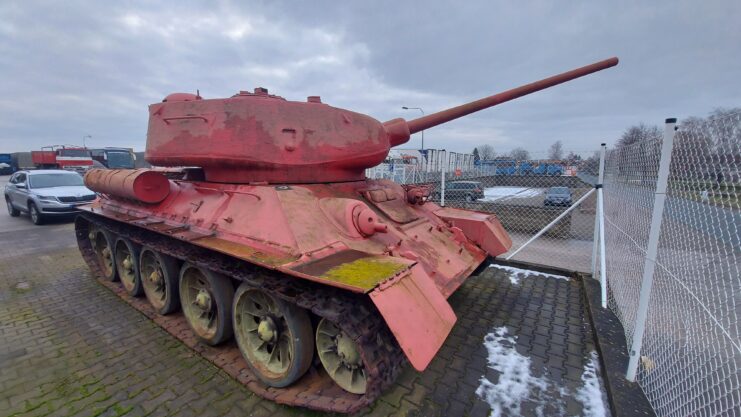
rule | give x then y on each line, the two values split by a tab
364	272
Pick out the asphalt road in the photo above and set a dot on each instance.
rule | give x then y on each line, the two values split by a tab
714	221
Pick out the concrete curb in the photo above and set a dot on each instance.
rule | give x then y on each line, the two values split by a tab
626	398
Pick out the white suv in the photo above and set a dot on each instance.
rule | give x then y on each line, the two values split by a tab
46	193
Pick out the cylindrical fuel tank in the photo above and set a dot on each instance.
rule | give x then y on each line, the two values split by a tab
143	185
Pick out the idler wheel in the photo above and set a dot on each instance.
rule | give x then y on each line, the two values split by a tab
341	358
274	337
102	243
206	298
159	278
127	266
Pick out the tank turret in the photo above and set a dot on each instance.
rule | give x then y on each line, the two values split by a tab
259	137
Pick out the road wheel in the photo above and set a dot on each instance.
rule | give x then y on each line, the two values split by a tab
14	212
127	266
103	248
36	217
340	356
206	298
159	277
469	198
274	337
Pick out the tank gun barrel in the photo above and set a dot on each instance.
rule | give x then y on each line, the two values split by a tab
397	128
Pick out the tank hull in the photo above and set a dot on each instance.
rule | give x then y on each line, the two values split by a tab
414	255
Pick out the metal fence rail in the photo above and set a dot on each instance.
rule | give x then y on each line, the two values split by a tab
688	354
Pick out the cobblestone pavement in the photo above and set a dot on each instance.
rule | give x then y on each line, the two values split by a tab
70	347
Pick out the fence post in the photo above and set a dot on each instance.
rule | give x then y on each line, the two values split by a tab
600	175
602	255
652	249
442	179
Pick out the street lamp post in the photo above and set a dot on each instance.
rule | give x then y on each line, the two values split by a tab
423	113
83	140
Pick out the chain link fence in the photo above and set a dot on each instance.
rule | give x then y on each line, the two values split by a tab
526	195
688	337
689	360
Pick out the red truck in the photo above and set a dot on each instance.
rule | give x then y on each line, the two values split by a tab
62	157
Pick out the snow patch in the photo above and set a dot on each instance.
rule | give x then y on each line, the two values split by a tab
507	193
515	274
515	383
590	394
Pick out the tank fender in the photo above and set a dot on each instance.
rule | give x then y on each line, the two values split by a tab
417	313
484	229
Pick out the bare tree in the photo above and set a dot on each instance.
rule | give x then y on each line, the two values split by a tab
556	150
704	147
708	148
726	134
637	145
519	154
638	134
591	164
486	152
572	158
693	146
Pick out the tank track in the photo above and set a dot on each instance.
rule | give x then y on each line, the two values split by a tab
354	314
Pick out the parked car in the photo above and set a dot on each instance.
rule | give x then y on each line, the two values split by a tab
463	190
558	196
46	193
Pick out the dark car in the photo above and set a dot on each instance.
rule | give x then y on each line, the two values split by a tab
464	190
558	196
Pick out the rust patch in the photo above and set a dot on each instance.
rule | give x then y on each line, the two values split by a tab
245	252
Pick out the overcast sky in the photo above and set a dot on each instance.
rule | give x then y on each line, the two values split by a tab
72	68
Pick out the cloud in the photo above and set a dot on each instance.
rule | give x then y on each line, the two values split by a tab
82	68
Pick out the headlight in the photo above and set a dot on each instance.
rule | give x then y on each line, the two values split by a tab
47	198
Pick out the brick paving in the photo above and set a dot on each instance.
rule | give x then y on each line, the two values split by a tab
71	347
